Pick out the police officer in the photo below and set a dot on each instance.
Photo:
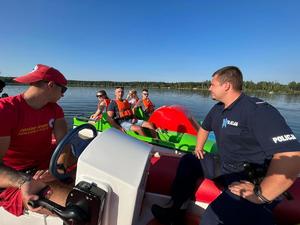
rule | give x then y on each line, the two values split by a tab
248	131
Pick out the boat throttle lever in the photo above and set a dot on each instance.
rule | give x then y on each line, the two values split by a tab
71	214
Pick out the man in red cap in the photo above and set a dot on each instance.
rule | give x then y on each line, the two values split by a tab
28	121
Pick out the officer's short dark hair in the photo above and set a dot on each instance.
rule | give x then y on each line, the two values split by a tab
231	74
145	90
2	84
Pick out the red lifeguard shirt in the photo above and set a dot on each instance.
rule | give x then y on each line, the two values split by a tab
30	131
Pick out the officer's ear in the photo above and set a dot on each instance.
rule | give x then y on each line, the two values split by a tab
227	86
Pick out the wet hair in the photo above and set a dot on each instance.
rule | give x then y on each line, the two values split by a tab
231	74
2	84
102	92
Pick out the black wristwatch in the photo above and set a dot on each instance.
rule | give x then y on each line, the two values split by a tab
257	192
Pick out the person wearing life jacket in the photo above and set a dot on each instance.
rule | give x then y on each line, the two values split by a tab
132	97
120	116
145	103
103	102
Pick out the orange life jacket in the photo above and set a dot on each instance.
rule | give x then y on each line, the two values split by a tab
149	106
124	109
107	101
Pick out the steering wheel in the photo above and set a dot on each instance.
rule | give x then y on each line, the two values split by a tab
77	144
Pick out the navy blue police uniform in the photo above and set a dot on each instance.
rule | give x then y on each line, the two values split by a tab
248	131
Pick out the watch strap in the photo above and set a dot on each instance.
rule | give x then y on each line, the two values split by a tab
257	192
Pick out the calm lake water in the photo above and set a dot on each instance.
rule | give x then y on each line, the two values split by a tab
82	100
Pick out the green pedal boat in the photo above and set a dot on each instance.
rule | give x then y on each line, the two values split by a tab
182	142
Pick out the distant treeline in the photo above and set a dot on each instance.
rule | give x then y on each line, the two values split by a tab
292	87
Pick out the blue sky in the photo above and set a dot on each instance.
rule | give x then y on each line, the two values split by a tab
157	40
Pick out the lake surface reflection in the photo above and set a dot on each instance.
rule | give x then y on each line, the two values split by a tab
82	100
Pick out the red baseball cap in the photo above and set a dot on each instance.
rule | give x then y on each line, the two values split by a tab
43	72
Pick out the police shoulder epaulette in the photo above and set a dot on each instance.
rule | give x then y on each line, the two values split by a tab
257	101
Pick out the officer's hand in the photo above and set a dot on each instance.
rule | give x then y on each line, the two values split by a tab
199	153
29	192
244	189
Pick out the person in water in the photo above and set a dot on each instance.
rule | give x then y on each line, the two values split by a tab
103	102
250	133
28	121
145	103
2	85
120	116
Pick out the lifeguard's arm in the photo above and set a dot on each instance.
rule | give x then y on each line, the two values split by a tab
8	176
112	121
12	178
66	159
60	191
201	139
60	129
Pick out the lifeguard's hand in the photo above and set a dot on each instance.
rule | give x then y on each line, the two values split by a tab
29	190
199	153
43	176
244	189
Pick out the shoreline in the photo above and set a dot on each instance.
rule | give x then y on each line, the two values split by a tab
194	89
